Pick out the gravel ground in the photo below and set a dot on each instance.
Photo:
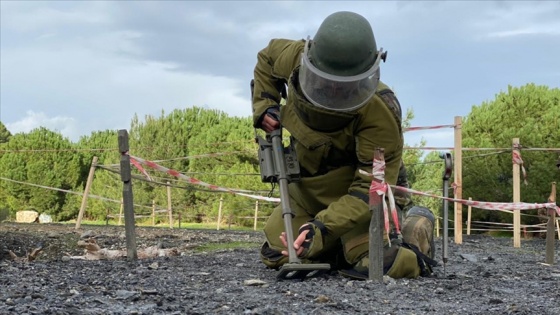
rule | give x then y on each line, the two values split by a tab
484	275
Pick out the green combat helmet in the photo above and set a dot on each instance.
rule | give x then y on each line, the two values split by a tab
340	66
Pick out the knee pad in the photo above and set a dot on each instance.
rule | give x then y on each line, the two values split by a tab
418	230
423	212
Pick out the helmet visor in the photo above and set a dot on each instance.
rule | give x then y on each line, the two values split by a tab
339	93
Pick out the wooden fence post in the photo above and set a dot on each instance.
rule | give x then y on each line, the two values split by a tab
256	215
558	228
121	212
220	213
86	192
469	218
153	212
169	208
126	177
550	235
458	171
516	198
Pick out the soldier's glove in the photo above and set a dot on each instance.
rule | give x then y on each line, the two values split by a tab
313	243
273	112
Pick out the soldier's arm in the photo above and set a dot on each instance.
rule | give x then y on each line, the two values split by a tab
274	66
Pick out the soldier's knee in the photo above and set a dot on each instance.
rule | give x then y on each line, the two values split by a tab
418	229
422	212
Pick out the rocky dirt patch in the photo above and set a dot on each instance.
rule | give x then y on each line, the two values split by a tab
484	275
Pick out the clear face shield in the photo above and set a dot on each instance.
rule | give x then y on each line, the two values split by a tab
338	93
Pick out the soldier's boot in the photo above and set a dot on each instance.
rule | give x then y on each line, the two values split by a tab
398	262
418	230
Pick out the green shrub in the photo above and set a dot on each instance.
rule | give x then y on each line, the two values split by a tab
4	214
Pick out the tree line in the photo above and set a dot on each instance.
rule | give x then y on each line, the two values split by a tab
218	149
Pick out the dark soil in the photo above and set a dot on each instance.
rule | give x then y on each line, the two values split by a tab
484	275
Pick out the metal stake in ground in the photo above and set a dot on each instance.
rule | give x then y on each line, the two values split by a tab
448	162
127	197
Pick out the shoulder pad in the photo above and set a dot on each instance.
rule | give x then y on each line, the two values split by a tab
392	102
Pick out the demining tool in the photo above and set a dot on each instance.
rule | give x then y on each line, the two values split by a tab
448	162
279	164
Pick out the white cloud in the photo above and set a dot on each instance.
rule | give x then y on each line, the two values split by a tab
67	126
103	90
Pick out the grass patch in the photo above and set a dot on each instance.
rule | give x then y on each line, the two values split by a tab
212	247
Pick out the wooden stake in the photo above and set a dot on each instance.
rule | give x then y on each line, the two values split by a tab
458	193
516	198
121	212
469	218
550	235
220	213
376	228
169	208
256	215
558	228
129	224
86	192
153	212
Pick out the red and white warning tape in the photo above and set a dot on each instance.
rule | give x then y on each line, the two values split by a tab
429	127
516	159
195	181
488	205
380	187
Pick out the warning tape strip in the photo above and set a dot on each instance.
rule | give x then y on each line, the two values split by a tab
195	181
377	189
380	187
488	205
516	159
429	127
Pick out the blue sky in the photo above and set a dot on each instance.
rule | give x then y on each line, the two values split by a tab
81	66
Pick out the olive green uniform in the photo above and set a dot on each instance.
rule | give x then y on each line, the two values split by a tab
332	147
403	200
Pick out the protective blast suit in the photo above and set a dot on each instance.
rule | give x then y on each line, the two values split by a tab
332	144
